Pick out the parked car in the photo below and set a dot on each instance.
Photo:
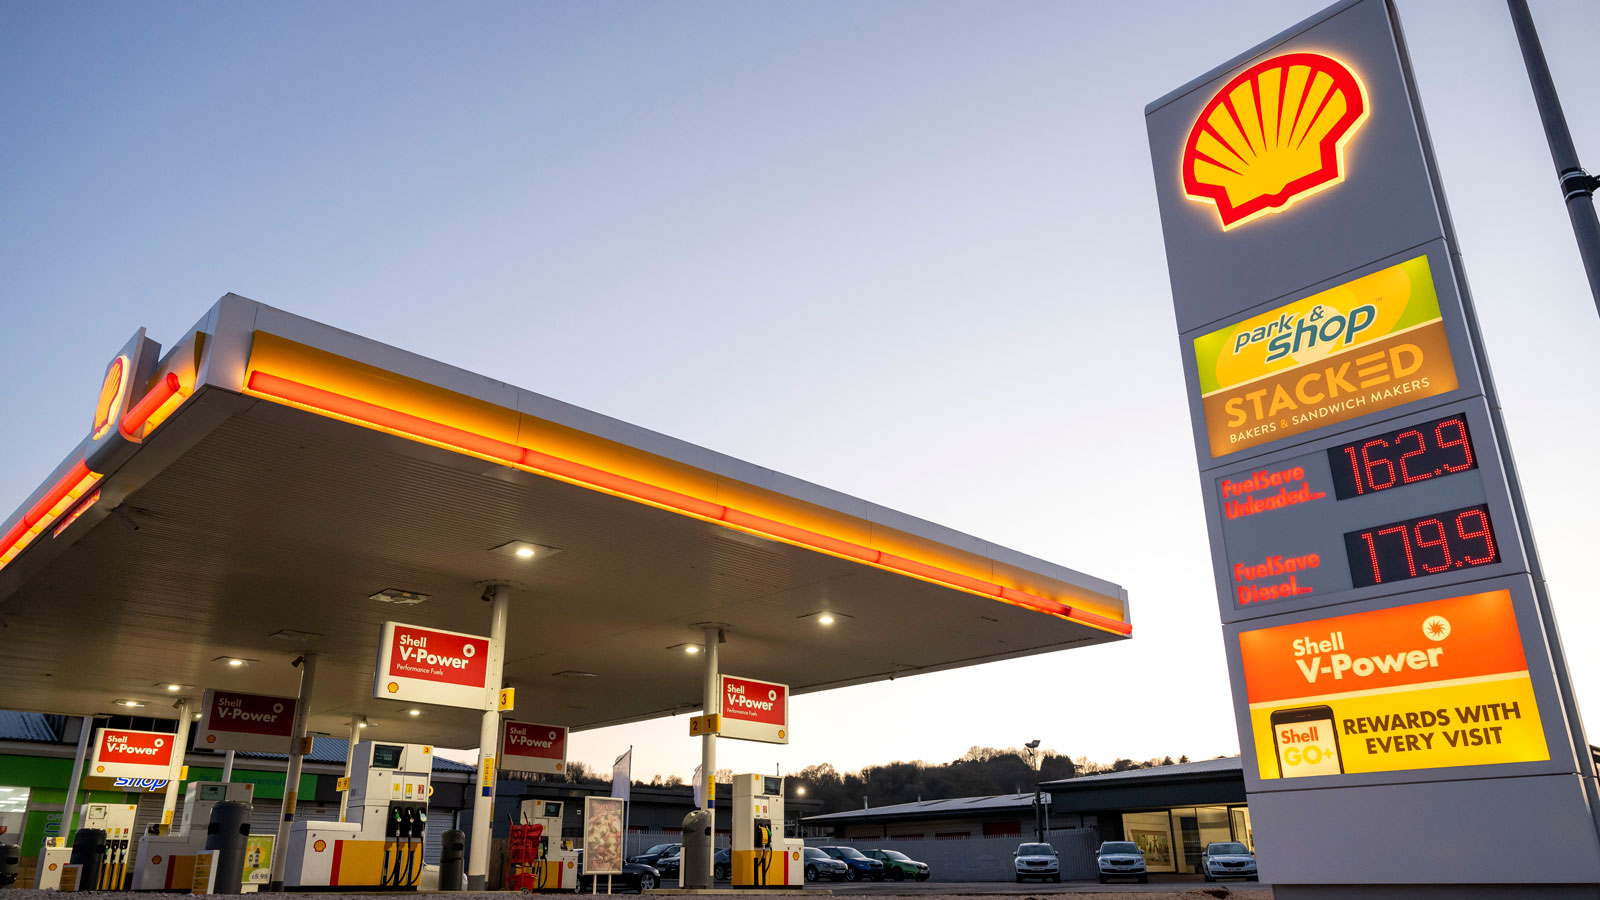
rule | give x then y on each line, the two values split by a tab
1228	859
1037	861
860	866
899	866
722	865
653	856
1121	859
669	863
820	865
635	877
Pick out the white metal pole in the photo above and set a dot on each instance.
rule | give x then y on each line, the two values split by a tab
85	730
180	743
291	778
227	767
349	763
488	735
708	742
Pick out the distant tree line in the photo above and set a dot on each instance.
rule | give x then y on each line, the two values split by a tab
979	772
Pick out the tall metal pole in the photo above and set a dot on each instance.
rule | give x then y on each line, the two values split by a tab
349	763
180	745
227	767
488	736
86	729
291	778
708	741
1577	185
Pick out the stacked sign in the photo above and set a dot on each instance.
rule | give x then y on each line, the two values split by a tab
1396	669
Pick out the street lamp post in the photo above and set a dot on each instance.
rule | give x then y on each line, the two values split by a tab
1033	763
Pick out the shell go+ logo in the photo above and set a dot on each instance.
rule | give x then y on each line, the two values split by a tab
1273	135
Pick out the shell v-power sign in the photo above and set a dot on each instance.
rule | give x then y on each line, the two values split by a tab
1398	681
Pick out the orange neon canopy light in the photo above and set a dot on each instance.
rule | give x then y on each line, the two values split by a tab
323	401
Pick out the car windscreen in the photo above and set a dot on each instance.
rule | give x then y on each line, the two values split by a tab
1119	847
895	854
659	848
1229	850
814	853
1036	850
850	853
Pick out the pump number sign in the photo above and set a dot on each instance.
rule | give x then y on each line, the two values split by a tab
426	665
755	710
120	753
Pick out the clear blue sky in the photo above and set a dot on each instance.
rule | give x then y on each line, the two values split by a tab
908	250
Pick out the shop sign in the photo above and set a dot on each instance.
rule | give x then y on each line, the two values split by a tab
120	753
754	710
1423	686
231	720
529	747
1366	345
426	665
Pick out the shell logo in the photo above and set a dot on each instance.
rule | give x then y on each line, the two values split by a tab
1273	135
99	769
54	865
211	739
110	403
320	846
394	687
780	732
154	861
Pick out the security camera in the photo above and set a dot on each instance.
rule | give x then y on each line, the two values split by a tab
488	594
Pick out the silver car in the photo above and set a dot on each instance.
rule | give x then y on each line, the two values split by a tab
1037	861
1228	859
1121	859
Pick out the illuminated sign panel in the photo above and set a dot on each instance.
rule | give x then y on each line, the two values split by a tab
230	720
113	391
121	753
1273	135
1428	685
427	665
754	710
529	747
1367	345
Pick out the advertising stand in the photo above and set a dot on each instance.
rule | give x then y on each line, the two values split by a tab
1398	680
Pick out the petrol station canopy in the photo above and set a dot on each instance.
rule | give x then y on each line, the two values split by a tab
253	487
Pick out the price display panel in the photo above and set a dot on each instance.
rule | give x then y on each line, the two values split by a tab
1357	514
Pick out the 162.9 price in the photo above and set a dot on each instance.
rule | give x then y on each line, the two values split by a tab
1428	545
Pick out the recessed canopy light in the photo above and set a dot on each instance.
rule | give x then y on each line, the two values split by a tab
691	649
174	687
399	597
413	712
235	662
197	715
363	723
825	619
131	704
523	550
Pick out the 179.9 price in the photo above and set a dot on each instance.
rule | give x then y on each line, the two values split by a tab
1428	545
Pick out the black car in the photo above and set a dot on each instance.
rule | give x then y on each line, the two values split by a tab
670	862
722	865
652	857
820	865
636	877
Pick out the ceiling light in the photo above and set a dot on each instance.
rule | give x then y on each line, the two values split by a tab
174	687
825	619
131	704
691	649
413	712
363	723
523	551
825	616
235	662
197	715
289	634
399	597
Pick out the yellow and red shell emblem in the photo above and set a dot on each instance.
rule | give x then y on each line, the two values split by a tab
1273	135
110	402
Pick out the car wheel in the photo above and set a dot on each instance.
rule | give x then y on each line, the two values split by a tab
850	874
811	873
647	882
923	876
1021	879
1144	879
1056	878
1209	877
899	875
1104	880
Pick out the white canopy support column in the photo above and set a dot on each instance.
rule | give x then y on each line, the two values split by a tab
349	763
180	744
499	595
291	778
85	731
708	741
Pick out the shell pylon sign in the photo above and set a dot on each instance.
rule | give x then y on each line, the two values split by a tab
1273	135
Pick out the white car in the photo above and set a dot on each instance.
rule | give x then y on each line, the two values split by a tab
1037	861
1228	859
1121	859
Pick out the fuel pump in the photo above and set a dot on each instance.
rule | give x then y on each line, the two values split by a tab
762	856
166	861
554	864
116	820
381	842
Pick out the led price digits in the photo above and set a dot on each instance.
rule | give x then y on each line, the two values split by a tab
1442	542
1428	450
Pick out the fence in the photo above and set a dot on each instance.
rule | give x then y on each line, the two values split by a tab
987	859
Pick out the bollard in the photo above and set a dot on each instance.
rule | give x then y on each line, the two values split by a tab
229	834
452	859
10	864
88	852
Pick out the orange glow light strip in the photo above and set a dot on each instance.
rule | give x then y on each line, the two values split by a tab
324	402
154	399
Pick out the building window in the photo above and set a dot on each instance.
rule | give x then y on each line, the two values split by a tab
1002	829
952	835
907	837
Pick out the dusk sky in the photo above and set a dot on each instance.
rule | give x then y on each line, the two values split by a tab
906	250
